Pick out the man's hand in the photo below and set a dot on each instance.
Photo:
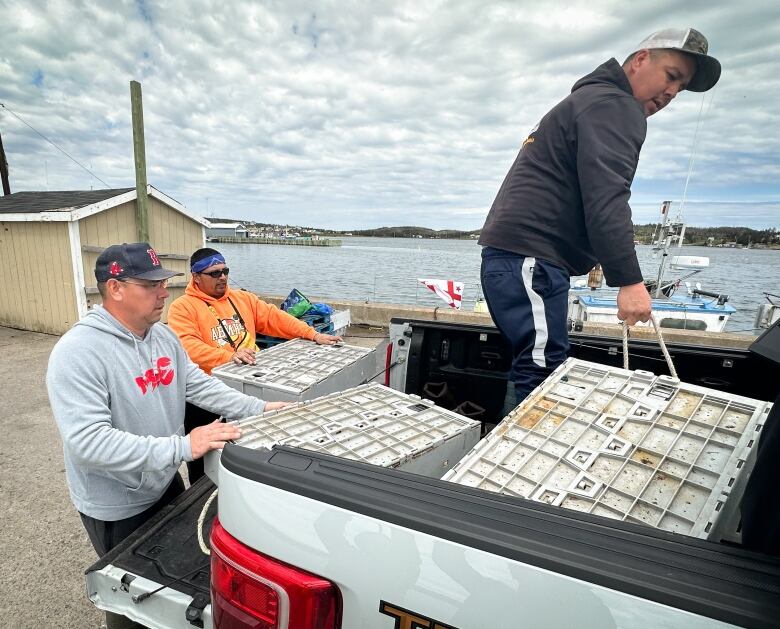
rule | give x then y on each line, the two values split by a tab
244	355
275	406
634	304
212	437
327	339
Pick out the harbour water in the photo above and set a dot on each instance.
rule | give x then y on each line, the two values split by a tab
387	270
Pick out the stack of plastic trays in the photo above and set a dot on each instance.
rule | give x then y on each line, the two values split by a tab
300	370
369	423
624	445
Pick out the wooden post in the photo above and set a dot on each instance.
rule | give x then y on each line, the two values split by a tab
139	151
4	169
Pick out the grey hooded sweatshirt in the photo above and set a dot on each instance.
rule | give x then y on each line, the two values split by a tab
118	401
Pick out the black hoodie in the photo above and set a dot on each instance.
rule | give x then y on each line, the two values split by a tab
565	199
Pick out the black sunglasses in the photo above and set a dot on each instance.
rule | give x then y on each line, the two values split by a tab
218	273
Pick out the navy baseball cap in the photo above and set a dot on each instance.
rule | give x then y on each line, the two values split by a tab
135	259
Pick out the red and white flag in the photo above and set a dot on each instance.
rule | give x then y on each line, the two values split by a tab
449	291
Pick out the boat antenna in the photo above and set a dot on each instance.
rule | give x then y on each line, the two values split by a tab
692	159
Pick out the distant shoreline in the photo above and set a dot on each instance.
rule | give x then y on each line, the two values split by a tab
752	247
744	248
725	236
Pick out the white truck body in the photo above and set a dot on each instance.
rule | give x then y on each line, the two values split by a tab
410	552
371	560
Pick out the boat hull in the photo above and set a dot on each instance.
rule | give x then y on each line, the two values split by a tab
681	313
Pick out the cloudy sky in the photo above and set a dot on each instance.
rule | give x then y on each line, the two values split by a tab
351	114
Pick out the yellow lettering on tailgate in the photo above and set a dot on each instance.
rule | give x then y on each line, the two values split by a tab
407	619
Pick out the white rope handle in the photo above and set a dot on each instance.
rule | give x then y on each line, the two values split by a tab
661	342
625	344
201	518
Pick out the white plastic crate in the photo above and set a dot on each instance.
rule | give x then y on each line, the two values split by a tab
299	370
369	423
625	445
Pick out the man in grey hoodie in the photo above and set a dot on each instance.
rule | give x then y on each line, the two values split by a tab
118	382
563	206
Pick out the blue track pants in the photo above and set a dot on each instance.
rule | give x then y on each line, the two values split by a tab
528	300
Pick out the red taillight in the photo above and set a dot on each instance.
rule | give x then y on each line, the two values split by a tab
249	589
388	358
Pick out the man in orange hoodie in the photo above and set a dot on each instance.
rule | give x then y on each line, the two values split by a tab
217	325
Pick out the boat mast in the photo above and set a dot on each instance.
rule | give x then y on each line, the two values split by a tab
671	231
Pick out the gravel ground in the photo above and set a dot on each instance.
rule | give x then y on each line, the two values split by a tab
44	547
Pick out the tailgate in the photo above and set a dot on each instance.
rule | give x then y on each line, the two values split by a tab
162	555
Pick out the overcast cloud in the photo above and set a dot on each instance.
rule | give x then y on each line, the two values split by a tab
360	114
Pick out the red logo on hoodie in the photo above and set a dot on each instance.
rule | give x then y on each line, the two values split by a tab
163	375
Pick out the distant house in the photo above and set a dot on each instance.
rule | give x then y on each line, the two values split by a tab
234	230
51	240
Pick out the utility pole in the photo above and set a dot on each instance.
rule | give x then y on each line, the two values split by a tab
139	151
4	169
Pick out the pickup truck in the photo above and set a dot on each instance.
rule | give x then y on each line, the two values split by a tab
305	540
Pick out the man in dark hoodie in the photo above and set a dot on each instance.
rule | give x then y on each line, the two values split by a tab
563	206
118	382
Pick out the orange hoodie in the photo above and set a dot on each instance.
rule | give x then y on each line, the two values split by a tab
195	318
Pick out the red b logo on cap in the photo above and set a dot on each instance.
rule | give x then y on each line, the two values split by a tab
153	255
115	269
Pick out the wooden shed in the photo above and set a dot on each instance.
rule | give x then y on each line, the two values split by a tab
49	242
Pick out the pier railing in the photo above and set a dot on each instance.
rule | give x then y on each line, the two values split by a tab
300	242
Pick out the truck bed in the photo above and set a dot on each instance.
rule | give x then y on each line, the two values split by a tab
474	361
163	552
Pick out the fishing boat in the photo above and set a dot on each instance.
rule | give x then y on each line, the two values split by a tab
693	309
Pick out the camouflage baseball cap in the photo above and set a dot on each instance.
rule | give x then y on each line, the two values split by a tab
692	42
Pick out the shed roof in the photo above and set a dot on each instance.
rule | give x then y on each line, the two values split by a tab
73	205
66	200
226	226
